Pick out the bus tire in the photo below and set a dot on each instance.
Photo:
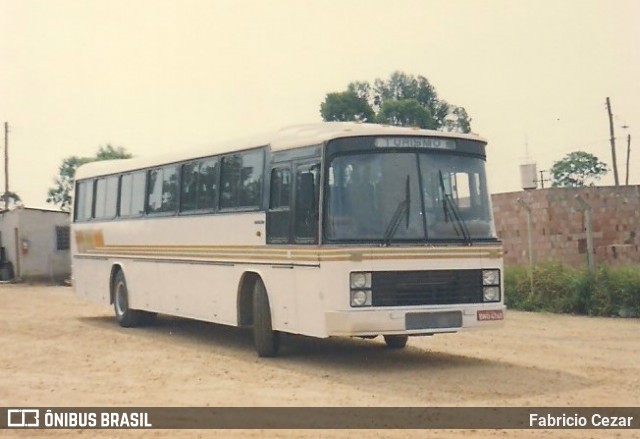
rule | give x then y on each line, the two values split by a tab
125	316
396	341
265	339
147	318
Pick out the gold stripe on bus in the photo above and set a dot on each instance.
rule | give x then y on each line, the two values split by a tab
264	255
297	251
300	252
92	241
271	249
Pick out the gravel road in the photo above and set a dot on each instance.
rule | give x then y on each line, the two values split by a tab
56	350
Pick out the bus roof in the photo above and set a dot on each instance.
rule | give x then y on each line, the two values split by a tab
286	138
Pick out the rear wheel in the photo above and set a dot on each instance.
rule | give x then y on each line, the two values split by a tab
127	317
265	339
148	318
396	341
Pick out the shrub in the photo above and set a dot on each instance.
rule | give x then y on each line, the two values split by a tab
517	288
616	292
563	289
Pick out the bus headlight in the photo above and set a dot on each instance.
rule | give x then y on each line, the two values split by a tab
360	280
360	287
361	298
491	285
490	277
491	294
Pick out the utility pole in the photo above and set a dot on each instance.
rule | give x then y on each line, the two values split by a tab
626	180
586	209
6	165
542	179
532	256
613	144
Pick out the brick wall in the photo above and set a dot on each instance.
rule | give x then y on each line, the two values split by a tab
559	232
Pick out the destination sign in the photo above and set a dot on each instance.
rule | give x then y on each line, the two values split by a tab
415	142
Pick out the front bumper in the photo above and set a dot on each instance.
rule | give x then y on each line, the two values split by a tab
372	321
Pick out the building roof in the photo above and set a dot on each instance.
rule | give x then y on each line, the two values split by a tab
33	209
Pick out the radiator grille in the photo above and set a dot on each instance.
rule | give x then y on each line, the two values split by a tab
430	287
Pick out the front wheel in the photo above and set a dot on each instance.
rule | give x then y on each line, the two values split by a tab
265	339
396	341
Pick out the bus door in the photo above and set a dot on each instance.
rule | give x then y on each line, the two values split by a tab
292	223
292	216
305	213
305	204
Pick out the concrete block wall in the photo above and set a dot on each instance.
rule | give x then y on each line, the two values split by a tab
42	261
559	232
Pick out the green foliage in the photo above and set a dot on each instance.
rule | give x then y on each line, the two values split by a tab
617	291
346	106
576	168
563	289
460	122
405	112
10	198
62	189
400	100
110	153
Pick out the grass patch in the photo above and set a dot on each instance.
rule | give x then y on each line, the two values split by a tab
558	288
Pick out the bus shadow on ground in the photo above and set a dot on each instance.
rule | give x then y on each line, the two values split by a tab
347	361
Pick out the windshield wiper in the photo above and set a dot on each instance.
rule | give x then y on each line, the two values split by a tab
449	205
404	207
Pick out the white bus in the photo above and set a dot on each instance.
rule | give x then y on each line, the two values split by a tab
332	229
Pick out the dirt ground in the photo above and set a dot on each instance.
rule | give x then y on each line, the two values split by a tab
56	350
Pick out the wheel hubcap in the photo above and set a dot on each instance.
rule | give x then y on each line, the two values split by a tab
120	299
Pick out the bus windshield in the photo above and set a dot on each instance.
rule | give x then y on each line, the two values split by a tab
426	196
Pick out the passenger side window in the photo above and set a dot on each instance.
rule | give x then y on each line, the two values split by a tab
84	199
163	190
280	188
189	188
101	192
199	185
241	180
106	197
132	191
306	204
278	217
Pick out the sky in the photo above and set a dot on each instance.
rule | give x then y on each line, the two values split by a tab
154	76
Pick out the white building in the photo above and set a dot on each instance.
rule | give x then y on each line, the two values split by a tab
35	245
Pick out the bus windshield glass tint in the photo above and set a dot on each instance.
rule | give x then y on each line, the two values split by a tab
412	196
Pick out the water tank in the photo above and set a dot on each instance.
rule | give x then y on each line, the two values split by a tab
528	176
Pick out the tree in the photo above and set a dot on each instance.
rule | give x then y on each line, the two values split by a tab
10	198
345	106
60	193
576	168
405	112
399	88
458	120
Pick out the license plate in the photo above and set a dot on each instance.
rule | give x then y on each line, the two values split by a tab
433	320
490	315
